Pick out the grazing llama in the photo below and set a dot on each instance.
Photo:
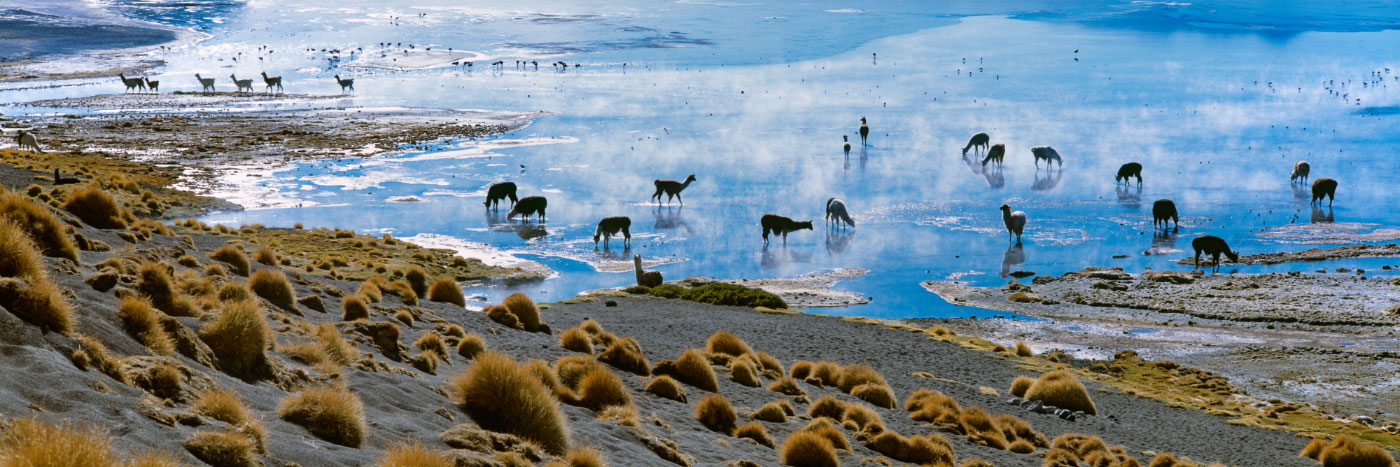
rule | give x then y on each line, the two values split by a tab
27	140
345	84
864	132
272	82
1048	153
241	84
498	192
207	84
979	140
1324	187
59	180
836	211
781	225
996	153
1129	170
1301	169
1162	211
1015	222
645	278
609	226
1213	246
132	83
671	188
846	139
154	86
528	206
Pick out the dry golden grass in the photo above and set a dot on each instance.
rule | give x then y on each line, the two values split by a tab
330	413
143	323
828	373
1021	446
1063	458
337	348
572	368
716	414
827	406
97	208
856	375
931	450
769	362
754	431
417	278
233	257
454	331
827	429
1061	389
19	257
742	371
626	354
432	342
234	292
976	463
800	370
1016	429
355	308
524	310
541	371
591	327
694	369
273	286
155	284
726	343
405	292
222	405
932	406
1020	385
863	417
981	429
502	315
877	394
1346	451
666	387
32	442
581	457
771	412
103	360
47	233
222	448
424	361
370	290
576	340
238	337
786	386
154	459
503	396
1314	449
310	353
601	388
471	346
1023	350
415	455
265	256
808	449
446	290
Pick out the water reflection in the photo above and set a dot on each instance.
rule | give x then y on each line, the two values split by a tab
1049	182
994	177
1129	196
838	240
608	254
1301	191
671	219
780	256
1318	216
1163	242
1015	256
498	222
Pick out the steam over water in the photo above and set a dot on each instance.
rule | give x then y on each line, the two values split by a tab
1217	102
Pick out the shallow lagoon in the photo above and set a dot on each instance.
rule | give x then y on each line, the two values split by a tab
1217	113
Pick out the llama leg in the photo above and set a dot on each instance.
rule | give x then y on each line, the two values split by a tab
678	198
626	237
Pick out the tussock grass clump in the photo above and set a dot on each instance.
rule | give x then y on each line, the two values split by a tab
239	337
19	257
432	342
808	449
1021	446
143	323
418	279
503	316
716	414
273	286
827	406
931	406
1016	429
576	340
1023	350
800	370
454	331
626	354
1020	385
1165	459
725	342
743	372
405	317
370	291
48	234
591	327
99	357
265	256
666	387
97	208
877	394
864	418
981	429
503	396
405	292
222	448
786	386
825	373
828	430
1350	452
233	257
446	290
932	450
524	310
36	300
1314	449
771	412
694	369
337	348
541	371
155	284
355	308
572	368
601	388
32	442
415	455
332	414
1061	389
580	457
856	375
222	405
756	432
720	293
471	346
769	362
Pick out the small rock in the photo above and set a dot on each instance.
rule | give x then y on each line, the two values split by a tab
1032	406
1343	269
1066	415
1013	401
1119	256
610	303
1021	274
1364	420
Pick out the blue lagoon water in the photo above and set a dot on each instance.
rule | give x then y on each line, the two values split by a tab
1216	101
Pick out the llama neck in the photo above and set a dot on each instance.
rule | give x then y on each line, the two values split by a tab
686	183
637	265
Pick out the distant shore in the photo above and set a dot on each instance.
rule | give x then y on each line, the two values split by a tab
64	39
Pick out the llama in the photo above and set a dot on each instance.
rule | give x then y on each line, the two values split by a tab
528	206
978	140
864	132
498	192
610	226
1048	153
1131	169
59	180
272	82
836	211
345	84
1214	246
781	225
1015	222
1324	187
241	84
671	188
996	153
1162	211
132	83
27	139
847	147
207	84
1301	169
645	278
154	86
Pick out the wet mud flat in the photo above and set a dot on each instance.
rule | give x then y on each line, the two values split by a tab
1324	338
813	290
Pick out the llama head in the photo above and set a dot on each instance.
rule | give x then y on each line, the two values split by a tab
862	119
1006	208
1234	257
690	178
798	225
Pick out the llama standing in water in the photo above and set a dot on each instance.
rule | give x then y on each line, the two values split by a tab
132	83
1162	211
1301	169
345	84
979	140
498	192
1049	154
241	84
206	84
781	225
272	82
864	132
1129	170
609	227
1015	222
1324	187
528	206
996	153
154	86
671	188
836	211
1213	246
847	140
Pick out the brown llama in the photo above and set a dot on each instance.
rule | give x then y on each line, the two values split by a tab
1301	169
781	225
498	192
1049	154
864	132
1162	211
1324	187
610	226
1213	246
979	140
671	188
996	153
132	83
528	206
1129	170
